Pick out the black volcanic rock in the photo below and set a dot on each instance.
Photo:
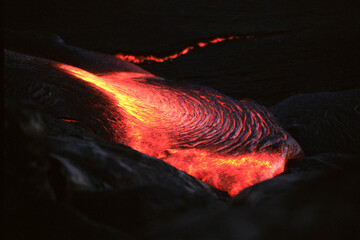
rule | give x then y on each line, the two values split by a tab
322	162
322	122
122	188
52	47
298	47
26	151
302	203
64	181
81	174
299	176
72	183
102	166
58	94
30	196
320	202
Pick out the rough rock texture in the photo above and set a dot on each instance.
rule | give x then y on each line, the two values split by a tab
57	93
297	47
88	183
29	202
51	46
322	122
62	181
299	176
298	204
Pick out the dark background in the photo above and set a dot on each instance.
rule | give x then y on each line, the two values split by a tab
298	47
63	182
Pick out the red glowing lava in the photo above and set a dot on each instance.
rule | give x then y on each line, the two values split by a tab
141	59
226	143
68	120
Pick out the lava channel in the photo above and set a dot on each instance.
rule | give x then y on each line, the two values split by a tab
226	143
150	58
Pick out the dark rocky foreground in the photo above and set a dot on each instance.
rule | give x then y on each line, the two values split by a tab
63	181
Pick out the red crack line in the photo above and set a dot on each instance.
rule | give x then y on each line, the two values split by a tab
151	58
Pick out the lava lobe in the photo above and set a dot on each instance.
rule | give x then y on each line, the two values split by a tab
227	143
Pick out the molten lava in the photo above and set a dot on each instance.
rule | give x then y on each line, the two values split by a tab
227	143
141	59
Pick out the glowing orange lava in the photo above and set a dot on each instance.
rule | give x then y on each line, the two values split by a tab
141	59
227	143
69	120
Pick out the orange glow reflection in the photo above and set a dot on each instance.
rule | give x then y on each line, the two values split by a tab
213	137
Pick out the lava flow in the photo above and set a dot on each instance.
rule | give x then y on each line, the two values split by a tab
228	144
141	59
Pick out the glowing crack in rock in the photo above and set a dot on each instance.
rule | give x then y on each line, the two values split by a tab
228	144
141	59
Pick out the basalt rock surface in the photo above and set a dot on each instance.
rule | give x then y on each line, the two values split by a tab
85	182
298	47
176	122
64	181
322	122
319	203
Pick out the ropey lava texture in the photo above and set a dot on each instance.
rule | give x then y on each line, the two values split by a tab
63	181
228	144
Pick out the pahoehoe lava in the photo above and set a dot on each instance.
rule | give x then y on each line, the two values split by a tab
227	143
